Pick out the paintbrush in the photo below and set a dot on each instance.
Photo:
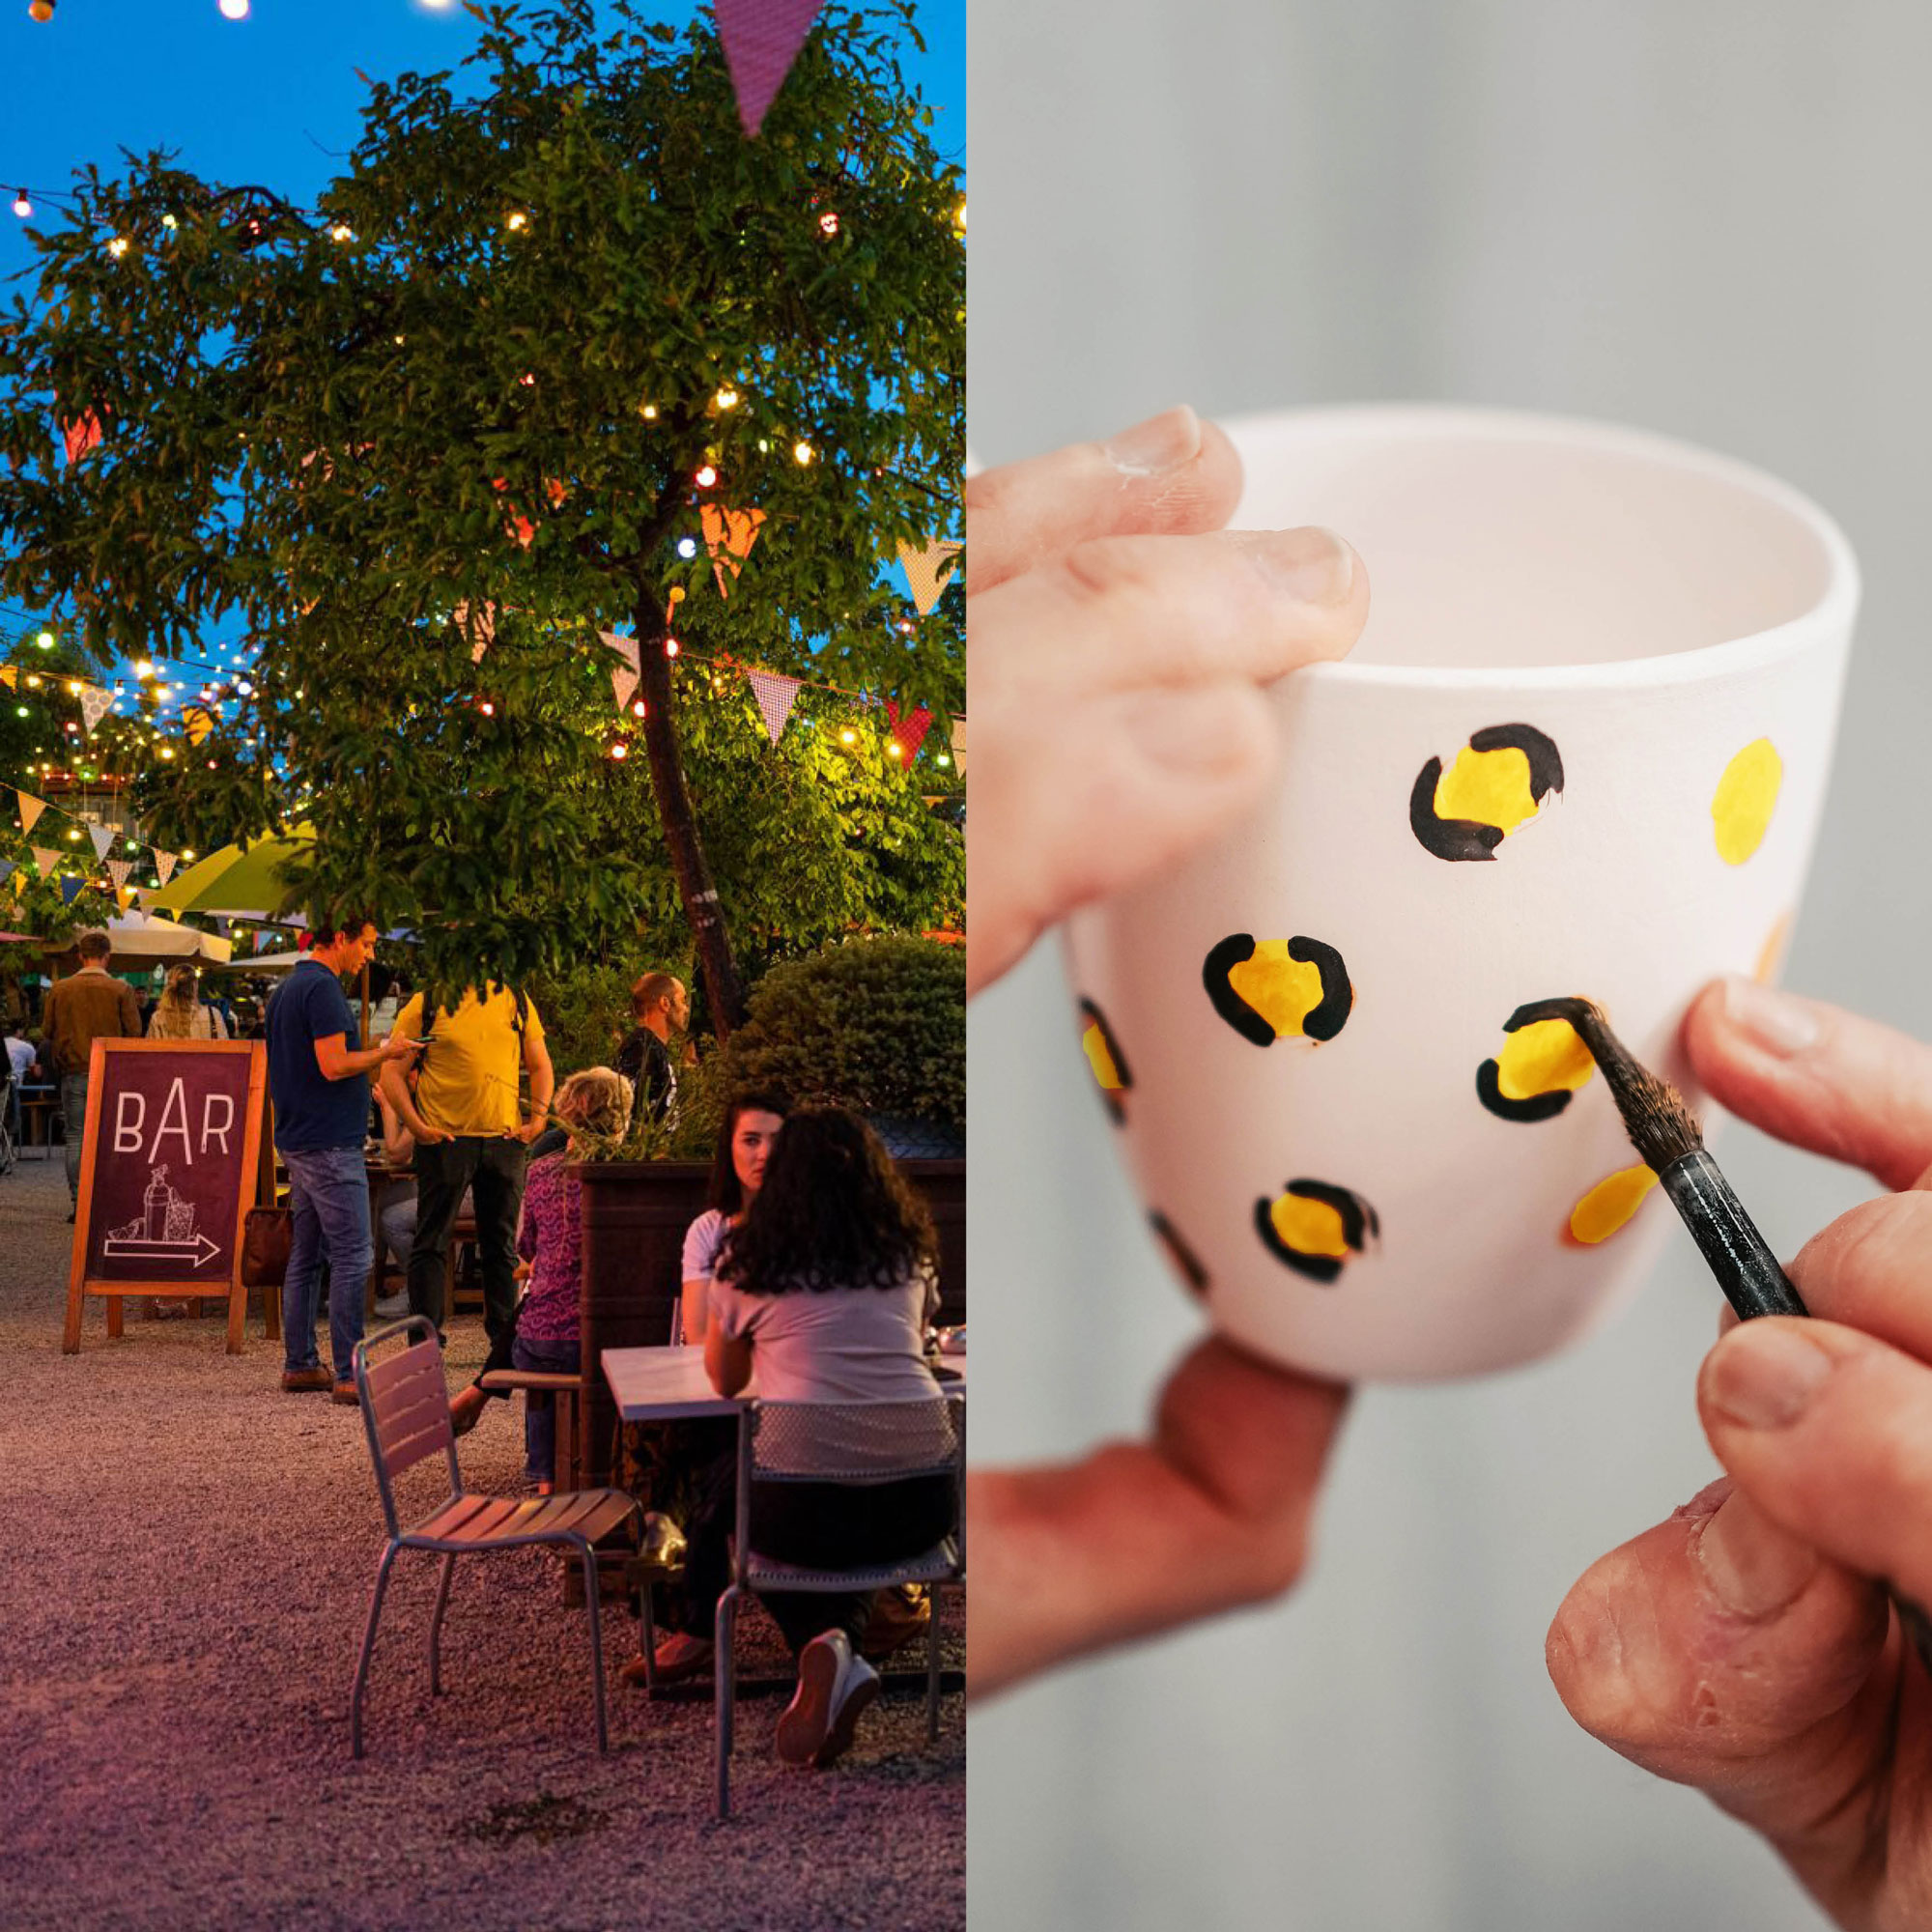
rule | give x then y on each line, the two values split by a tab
1665	1132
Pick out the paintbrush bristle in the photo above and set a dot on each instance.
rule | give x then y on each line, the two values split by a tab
1660	1126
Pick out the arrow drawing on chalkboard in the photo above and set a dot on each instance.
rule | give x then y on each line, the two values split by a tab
198	1252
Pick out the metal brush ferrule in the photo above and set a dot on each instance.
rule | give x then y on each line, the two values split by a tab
1740	1256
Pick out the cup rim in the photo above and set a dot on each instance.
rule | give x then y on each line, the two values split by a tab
1830	616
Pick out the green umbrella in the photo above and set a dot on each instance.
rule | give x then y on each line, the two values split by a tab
243	880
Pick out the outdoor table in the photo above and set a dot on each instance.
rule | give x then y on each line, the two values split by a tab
38	1105
667	1385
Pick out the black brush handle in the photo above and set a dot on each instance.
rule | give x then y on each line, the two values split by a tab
1754	1283
1740	1256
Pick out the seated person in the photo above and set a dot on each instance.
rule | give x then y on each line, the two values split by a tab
826	1289
396	1204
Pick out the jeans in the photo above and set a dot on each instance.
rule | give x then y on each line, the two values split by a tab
74	1123
493	1170
396	1220
556	1358
328	1192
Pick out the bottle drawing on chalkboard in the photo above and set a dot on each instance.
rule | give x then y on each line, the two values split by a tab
157	1201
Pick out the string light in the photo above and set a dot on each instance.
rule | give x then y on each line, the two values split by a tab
727	399
670	648
828	223
705	477
620	751
45	640
118	246
23	204
234	10
169	223
801	453
687	547
648	410
516	221
40	10
637	709
342	232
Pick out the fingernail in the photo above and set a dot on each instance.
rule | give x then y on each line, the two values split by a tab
1313	565
1161	443
1751	1566
1778	1022
1764	1375
1195	732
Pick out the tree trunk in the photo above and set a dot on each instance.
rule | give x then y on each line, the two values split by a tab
726	990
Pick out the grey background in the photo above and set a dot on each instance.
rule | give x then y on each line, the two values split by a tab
1706	221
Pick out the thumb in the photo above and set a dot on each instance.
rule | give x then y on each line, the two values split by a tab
1075	805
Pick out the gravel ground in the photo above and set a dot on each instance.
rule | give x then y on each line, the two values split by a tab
188	1563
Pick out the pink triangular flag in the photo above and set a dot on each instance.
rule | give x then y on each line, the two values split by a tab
103	836
911	729
623	682
30	809
625	648
118	871
776	696
164	865
47	860
94	704
959	746
927	566
761	41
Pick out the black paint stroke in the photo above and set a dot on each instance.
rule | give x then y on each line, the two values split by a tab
1543	1106
1571	1006
1468	838
1183	1258
1338	997
1358	1219
1109	1099
1322	1021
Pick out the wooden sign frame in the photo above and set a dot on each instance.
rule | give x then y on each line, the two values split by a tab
80	1285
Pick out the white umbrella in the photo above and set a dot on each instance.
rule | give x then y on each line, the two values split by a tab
266	962
151	941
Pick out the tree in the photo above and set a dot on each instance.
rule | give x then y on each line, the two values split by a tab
481	402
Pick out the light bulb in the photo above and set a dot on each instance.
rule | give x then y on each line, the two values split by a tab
169	223
40	10
848	736
118	246
670	648
828	223
687	547
705	477
620	751
801	452
516	221
234	10
45	640
342	232
637	709
942	759
648	410
727	399
23	205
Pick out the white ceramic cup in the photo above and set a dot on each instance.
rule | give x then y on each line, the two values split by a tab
1348	1158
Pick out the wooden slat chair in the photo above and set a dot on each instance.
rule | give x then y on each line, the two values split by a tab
860	1444
406	1411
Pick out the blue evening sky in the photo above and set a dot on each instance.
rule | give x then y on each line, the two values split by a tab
273	99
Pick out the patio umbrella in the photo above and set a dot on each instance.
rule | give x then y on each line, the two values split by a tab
154	941
266	962
243	882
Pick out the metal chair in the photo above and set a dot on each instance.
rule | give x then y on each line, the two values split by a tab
860	1444
405	1412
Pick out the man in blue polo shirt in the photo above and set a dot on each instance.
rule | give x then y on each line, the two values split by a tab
319	1080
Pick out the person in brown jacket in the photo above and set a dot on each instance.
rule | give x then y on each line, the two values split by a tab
85	1007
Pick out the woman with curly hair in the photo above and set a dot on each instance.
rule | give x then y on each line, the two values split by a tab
594	1104
826	1289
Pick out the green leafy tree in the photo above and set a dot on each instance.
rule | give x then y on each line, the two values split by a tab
483	401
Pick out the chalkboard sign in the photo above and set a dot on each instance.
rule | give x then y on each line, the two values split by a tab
169	1167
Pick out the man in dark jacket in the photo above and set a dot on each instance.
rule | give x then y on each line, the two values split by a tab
658	1003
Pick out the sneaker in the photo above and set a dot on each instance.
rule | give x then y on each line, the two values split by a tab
835	1688
678	1656
298	1381
345	1393
391	1307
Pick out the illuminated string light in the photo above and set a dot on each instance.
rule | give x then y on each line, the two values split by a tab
234	10
828	223
637	709
801	453
727	399
169	223
23	204
672	647
118	246
341	232
687	547
45	640
648	410
705	477
40	10
516	221
620	751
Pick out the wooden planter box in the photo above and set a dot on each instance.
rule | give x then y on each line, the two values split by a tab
635	1216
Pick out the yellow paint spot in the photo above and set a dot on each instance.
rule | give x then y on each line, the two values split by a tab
1770	955
1746	794
1308	1227
1542	1057
1487	787
1610	1203
1094	1044
1284	991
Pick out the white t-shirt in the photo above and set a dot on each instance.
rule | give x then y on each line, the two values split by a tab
22	1054
846	1344
701	1242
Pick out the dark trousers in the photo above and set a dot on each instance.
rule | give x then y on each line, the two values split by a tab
492	1169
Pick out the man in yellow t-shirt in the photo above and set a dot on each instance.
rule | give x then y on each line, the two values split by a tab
471	1132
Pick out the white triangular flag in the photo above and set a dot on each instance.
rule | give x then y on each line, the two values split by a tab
47	860
927	566
625	648
164	865
776	696
118	871
94	704
623	682
959	746
30	809
103	836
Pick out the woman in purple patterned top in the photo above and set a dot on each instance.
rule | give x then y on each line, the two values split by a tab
551	1238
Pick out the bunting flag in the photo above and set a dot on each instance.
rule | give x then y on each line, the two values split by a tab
927	566
482	633
103	836
30	809
761	39
625	648
70	890
196	723
624	682
47	860
9	676
776	696
911	729
959	746
118	871
80	436
94	704
164	865
731	532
